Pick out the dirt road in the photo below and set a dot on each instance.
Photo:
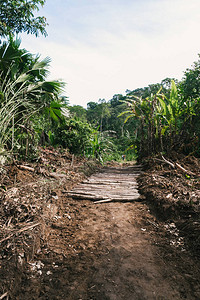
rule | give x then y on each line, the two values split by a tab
115	250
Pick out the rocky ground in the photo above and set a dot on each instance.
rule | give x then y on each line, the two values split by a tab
56	247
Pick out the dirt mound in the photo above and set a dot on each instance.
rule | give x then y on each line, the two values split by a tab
30	207
175	195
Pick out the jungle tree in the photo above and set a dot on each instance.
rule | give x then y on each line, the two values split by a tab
17	16
24	91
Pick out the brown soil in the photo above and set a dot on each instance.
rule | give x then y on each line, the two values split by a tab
175	196
56	247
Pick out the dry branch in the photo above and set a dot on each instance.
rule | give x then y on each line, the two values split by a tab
4	295
54	175
175	165
26	168
72	163
168	162
57	176
86	196
103	201
19	231
184	170
119	199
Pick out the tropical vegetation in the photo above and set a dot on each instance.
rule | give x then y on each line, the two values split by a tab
18	16
159	118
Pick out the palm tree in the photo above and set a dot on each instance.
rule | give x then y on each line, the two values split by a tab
23	89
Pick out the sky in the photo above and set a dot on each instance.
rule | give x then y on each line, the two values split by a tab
100	48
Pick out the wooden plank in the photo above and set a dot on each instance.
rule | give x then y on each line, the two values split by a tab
105	181
103	201
88	197
107	186
117	200
107	196
125	176
105	192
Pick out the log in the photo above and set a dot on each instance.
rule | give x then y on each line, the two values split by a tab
71	193
106	193
124	177
103	187
117	200
105	197
87	187
113	182
103	201
84	196
106	187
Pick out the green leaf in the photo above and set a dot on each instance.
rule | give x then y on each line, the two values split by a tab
164	129
173	93
128	118
124	112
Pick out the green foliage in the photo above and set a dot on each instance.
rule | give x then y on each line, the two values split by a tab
98	113
54	111
114	136
74	135
78	112
158	118
24	92
145	92
189	86
165	120
18	16
102	146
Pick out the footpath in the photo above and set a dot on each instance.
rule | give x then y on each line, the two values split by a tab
98	240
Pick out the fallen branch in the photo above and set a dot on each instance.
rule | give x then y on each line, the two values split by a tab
184	170
162	161
26	168
19	231
168	162
72	163
4	295
57	176
175	165
43	172
103	201
120	199
84	196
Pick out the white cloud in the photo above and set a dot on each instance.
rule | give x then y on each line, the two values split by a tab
121	47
